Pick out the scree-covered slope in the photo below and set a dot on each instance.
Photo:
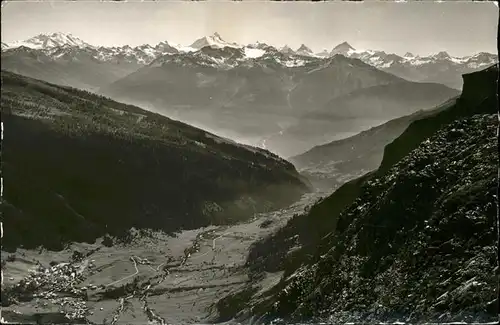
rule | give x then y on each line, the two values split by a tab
413	241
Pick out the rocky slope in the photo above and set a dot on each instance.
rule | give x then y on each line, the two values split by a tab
356	111
77	165
413	241
330	165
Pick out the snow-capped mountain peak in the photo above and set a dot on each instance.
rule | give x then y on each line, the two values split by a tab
214	41
165	47
343	48
442	55
216	36
214	51
51	40
304	50
286	49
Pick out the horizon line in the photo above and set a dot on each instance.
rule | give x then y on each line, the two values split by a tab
242	45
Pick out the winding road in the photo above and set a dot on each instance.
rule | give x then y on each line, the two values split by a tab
194	269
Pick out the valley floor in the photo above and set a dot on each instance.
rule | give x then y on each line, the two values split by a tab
156	278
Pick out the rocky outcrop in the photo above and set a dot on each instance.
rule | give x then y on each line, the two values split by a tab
412	241
418	243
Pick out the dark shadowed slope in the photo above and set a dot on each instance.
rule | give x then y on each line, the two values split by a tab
77	165
413	241
357	111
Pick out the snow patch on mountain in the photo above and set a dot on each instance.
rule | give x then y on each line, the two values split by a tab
459	60
50	40
387	64
186	49
214	41
294	63
419	61
253	52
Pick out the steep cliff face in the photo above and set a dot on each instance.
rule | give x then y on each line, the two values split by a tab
478	97
417	242
77	165
414	240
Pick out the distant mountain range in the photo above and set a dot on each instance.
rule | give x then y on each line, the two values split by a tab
178	86
440	68
271	105
68	66
253	93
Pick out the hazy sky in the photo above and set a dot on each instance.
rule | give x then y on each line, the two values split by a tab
461	28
